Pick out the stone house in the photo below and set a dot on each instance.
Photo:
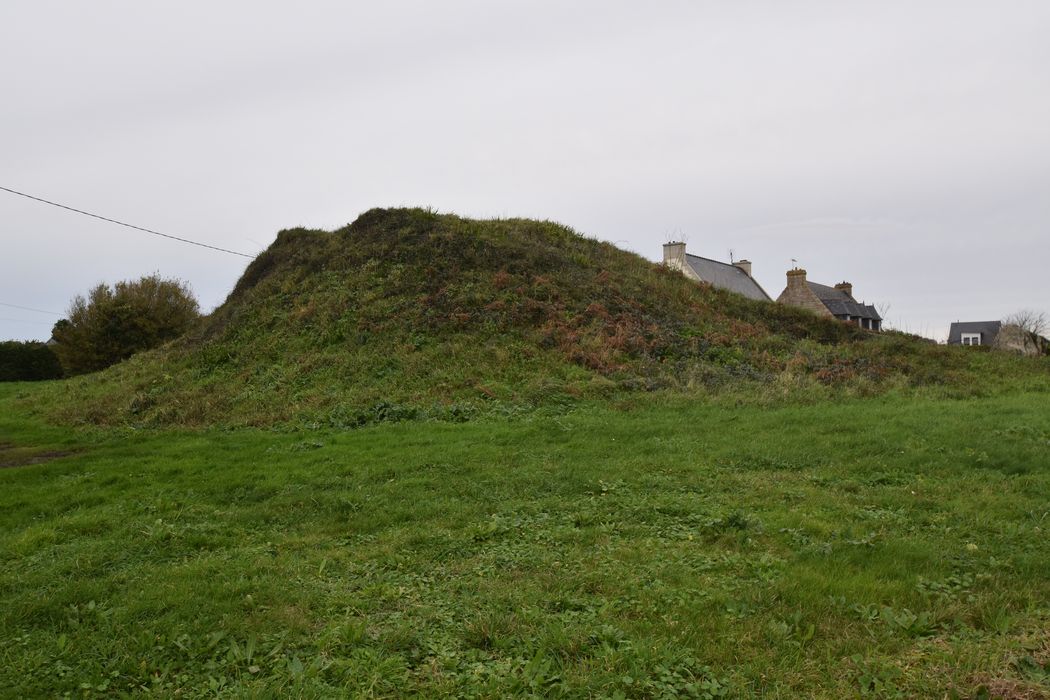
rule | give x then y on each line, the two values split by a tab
836	301
734	277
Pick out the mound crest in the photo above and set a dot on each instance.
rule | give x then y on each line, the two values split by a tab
408	313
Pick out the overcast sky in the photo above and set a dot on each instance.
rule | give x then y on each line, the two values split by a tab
900	145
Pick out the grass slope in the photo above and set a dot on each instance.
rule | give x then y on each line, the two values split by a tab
407	313
881	547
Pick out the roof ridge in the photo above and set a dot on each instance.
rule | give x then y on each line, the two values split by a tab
738	281
691	255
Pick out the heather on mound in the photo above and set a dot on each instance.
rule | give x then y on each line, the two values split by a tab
406	313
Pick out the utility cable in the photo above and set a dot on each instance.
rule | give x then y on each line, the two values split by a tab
25	320
27	308
121	223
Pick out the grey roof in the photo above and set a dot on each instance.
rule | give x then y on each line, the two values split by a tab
726	276
841	304
988	330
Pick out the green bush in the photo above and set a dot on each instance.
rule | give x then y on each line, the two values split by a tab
27	362
114	323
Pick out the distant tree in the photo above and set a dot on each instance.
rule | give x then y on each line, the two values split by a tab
884	311
1029	321
113	323
27	362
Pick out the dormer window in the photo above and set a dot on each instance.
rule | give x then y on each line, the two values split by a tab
971	338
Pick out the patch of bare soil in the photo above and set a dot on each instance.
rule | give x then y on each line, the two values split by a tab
1007	689
8	460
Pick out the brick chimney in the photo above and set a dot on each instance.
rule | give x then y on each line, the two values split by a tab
845	287
744	265
796	278
674	255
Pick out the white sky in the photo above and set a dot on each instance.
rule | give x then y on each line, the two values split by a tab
901	145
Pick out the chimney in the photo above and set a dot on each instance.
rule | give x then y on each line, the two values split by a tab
674	255
796	278
845	287
744	265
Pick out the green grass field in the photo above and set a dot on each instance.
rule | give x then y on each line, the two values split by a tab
655	547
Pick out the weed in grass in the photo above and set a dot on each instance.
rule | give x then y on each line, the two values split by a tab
876	680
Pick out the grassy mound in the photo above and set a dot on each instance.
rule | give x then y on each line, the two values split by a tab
407	313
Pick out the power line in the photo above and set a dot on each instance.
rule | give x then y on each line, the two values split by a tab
121	223
25	320
28	308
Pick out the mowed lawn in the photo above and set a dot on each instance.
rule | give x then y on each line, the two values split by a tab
886	547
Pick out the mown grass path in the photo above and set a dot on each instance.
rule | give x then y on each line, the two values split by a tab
886	547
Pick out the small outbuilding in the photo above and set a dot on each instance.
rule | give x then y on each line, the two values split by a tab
974	332
997	334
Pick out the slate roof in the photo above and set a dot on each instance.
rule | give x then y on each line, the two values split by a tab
726	276
841	304
988	330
